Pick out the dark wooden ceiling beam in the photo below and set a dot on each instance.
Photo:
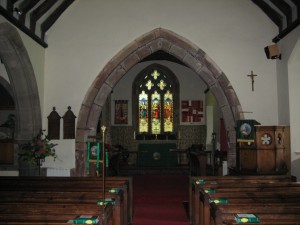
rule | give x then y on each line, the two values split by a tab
22	27
286	31
285	9
54	16
39	12
297	4
10	6
25	7
270	12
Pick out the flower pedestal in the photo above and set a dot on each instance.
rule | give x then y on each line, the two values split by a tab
31	169
34	153
39	163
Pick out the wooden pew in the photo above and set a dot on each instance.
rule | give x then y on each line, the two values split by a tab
249	198
193	179
85	182
242	201
84	187
201	212
284	213
50	198
194	192
268	219
53	214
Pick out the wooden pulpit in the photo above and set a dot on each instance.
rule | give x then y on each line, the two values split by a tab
266	152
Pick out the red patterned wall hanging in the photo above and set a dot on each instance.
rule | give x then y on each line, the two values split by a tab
192	111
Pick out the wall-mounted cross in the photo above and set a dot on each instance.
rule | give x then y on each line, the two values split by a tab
252	79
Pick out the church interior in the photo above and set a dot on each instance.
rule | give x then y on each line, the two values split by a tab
134	112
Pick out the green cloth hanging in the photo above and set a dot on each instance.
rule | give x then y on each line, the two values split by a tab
98	158
106	158
93	157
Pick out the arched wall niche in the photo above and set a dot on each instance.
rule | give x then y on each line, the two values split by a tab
158	39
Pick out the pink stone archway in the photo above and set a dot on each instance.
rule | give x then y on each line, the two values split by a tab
22	83
117	67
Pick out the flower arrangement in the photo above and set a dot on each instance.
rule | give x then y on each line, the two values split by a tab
39	148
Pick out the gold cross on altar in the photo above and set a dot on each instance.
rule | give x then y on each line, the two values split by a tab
252	79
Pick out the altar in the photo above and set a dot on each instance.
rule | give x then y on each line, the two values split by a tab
156	154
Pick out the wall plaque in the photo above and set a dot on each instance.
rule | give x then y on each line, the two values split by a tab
69	124
54	125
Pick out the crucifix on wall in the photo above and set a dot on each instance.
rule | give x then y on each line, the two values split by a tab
252	79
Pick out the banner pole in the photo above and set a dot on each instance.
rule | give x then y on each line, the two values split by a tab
103	128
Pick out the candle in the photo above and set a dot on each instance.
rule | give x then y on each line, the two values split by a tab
133	135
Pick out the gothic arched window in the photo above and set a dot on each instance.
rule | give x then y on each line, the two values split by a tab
154	90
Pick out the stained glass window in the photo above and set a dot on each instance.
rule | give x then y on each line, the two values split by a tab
168	112
143	112
155	106
155	113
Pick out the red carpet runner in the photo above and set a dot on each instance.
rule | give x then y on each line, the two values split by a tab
158	199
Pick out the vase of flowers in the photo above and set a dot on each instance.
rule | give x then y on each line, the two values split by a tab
38	149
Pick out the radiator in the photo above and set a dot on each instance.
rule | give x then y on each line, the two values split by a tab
9	173
225	168
58	172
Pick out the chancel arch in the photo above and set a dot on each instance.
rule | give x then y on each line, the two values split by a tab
167	41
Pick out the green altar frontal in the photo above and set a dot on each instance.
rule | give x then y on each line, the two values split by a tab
156	155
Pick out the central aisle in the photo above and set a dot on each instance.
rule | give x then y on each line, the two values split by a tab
158	199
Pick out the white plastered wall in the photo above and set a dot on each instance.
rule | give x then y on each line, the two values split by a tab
289	68
89	33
